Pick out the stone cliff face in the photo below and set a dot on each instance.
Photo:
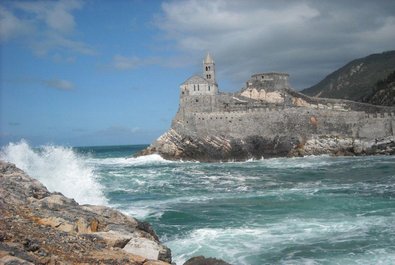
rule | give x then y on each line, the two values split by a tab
39	227
269	119
175	146
299	126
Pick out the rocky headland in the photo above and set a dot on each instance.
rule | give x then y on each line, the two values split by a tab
267	118
40	227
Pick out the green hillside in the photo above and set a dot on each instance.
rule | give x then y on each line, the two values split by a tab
357	79
383	93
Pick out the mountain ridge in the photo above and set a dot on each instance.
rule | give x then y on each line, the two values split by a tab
355	80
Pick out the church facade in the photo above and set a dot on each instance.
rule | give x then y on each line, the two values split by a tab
201	85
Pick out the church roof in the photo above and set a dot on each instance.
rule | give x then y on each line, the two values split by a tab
196	79
208	59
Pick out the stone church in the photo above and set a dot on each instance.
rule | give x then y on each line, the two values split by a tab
202	85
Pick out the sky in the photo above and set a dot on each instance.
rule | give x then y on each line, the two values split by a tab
101	72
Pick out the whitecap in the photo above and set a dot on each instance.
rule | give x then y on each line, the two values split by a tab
59	168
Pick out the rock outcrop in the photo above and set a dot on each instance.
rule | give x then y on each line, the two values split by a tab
39	227
200	260
172	146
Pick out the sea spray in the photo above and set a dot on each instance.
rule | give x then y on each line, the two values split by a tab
58	168
311	210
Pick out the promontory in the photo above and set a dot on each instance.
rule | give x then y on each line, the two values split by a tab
267	118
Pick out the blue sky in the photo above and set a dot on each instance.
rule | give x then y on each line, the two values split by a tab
107	72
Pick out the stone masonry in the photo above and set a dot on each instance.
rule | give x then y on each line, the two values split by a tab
267	119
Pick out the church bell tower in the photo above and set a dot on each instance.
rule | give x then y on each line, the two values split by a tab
209	69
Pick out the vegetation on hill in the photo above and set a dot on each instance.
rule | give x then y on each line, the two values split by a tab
383	93
356	80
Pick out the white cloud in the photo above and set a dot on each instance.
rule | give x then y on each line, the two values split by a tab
304	38
123	63
55	14
59	84
59	58
117	130
52	23
11	26
57	42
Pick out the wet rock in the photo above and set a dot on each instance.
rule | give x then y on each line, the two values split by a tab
200	260
343	146
155	262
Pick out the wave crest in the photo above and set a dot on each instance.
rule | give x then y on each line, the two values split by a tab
59	168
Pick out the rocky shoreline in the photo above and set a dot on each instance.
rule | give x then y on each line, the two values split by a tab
174	145
40	227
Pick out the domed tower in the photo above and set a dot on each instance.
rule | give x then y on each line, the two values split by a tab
209	70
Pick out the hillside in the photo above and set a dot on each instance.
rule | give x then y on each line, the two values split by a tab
357	79
383	93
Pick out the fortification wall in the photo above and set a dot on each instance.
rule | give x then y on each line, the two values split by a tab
269	119
296	123
297	117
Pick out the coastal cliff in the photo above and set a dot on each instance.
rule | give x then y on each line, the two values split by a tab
39	227
267	119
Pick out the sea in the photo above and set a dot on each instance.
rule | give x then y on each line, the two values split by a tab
310	210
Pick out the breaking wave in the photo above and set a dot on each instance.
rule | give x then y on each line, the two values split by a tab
59	168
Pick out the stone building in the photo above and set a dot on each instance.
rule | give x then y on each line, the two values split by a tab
201	85
268	80
267	118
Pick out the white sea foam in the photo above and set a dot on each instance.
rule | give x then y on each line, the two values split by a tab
237	245
298	162
141	212
131	161
58	168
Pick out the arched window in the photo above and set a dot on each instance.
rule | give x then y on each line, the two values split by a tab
208	88
194	88
198	87
207	68
207	76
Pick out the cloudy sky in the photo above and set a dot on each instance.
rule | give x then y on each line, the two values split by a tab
100	72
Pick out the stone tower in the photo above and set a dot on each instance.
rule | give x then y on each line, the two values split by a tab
209	69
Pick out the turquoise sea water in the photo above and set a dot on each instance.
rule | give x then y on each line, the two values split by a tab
312	210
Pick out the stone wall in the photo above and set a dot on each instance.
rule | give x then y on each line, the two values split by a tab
268	119
295	122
